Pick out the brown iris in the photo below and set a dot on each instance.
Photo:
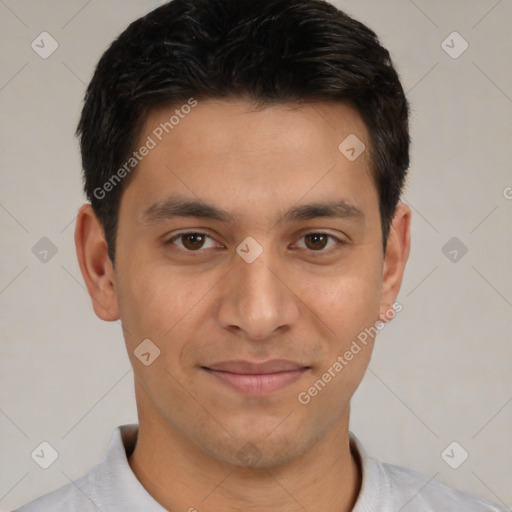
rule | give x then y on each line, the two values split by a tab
193	241
316	241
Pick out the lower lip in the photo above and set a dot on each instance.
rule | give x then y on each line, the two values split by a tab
257	384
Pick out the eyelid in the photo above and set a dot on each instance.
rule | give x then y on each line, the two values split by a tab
176	235
339	241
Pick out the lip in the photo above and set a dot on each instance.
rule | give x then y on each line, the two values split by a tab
256	379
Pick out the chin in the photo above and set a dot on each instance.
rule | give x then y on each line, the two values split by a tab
258	452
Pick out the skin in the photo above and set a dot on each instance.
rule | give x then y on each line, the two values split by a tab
299	300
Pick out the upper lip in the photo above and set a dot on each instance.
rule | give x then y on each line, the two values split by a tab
248	368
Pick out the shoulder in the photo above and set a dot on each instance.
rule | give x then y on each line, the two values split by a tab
110	485
75	496
418	492
388	488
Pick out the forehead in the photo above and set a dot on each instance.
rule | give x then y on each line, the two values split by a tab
224	150
221	125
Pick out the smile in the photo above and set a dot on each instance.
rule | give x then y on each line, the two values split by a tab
256	379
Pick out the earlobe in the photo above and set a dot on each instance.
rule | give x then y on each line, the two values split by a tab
397	252
95	265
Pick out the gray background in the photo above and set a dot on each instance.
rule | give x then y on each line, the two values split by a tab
441	370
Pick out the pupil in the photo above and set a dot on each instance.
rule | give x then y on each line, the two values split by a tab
318	241
194	241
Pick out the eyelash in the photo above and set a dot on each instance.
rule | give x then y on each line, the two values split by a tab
171	240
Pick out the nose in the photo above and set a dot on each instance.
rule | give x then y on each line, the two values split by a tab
257	300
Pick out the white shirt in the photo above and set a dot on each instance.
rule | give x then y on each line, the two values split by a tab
111	486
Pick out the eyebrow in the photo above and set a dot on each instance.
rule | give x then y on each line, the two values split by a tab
176	206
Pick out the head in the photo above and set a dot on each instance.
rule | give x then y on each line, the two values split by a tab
275	134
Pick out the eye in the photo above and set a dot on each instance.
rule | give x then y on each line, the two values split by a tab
319	241
192	241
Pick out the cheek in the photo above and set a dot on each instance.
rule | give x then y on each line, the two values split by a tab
157	301
350	309
346	301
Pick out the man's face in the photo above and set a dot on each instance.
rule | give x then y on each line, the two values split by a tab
216	313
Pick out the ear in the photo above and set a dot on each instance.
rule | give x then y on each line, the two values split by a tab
95	265
397	252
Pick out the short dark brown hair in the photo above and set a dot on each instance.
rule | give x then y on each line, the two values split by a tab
273	51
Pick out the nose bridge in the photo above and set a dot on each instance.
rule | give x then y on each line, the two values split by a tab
258	285
255	299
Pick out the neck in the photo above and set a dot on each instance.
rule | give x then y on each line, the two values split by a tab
181	477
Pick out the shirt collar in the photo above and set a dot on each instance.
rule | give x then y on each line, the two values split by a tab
371	481
114	476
